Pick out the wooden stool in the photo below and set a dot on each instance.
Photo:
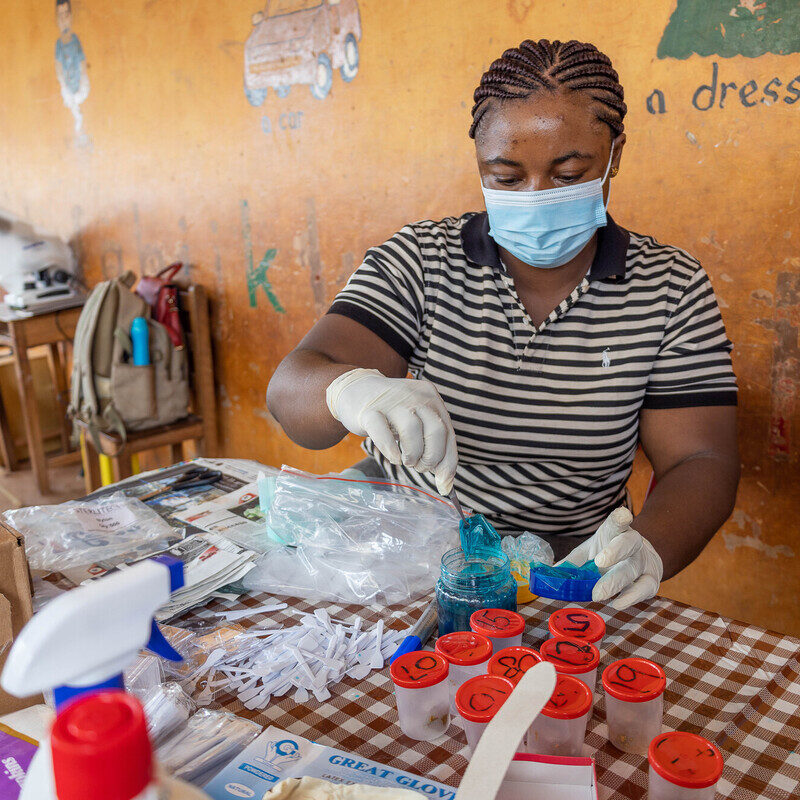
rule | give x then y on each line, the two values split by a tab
55	329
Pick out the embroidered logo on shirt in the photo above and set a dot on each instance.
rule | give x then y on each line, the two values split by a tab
606	358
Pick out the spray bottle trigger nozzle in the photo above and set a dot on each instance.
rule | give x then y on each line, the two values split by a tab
160	646
175	567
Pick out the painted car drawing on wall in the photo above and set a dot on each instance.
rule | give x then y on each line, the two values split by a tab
301	41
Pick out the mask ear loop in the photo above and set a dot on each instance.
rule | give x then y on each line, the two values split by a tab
605	175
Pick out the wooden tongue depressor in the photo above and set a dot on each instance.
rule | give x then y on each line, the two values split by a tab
498	745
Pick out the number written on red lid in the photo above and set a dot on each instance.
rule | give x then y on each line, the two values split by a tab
569	652
421	668
497	623
494	618
479	698
577	623
513	662
418	669
634	679
686	759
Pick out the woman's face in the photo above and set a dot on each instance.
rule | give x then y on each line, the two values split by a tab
547	140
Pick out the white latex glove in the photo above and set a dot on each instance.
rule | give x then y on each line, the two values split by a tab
631	567
405	418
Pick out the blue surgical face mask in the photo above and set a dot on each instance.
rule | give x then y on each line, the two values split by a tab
548	228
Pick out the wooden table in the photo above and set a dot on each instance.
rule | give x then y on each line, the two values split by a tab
55	329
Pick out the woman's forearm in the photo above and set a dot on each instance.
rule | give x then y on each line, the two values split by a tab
296	398
687	507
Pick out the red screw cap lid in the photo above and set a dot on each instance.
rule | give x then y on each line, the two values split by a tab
571	699
570	656
100	746
464	648
419	669
634	680
513	662
479	698
685	759
577	623
497	623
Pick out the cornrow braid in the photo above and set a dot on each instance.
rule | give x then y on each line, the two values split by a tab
573	65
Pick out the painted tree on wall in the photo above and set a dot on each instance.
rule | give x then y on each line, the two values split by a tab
732	28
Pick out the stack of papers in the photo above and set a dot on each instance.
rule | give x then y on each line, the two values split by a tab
209	562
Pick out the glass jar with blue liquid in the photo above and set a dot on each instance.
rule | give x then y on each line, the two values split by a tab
469	583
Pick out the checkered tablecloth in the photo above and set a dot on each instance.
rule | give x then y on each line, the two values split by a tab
733	683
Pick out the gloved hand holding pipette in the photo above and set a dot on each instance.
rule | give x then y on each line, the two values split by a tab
404	417
631	567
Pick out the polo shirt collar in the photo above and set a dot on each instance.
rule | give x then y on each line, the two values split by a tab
609	260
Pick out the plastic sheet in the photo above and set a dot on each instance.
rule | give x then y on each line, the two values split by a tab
208	741
81	532
477	534
527	549
354	541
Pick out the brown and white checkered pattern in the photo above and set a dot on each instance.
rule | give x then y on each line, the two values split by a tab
733	683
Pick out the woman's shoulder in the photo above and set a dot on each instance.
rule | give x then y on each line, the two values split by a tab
434	229
649	258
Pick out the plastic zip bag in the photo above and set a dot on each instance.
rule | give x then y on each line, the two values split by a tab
208	741
166	708
82	532
354	541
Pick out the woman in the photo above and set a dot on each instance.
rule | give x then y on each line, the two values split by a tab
544	342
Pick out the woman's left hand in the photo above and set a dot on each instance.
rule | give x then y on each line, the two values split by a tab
631	567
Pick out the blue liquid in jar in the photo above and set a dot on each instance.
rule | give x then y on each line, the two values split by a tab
468	584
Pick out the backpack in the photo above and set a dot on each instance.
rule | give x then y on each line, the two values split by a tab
109	393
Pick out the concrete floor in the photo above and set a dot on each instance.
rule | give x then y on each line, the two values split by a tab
19	489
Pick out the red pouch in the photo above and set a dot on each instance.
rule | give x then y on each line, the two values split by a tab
162	296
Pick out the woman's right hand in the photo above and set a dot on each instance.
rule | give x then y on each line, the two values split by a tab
405	418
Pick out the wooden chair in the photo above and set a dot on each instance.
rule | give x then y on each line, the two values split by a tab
200	426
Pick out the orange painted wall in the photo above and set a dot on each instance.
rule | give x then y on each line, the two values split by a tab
176	156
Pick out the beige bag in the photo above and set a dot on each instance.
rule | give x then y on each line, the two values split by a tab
110	394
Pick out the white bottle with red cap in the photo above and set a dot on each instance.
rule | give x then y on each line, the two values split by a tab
99	749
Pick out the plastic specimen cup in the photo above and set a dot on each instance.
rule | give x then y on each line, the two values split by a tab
503	627
513	662
683	766
477	701
560	727
578	623
422	693
572	657
634	690
468	654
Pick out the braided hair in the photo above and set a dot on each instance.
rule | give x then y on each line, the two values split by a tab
573	65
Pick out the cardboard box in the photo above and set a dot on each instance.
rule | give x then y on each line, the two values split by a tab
532	777
16	607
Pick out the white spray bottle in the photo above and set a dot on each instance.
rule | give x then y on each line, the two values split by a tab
81	642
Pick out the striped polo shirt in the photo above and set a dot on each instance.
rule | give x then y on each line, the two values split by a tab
546	418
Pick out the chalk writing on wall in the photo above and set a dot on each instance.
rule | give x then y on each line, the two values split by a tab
71	68
721	93
732	28
257	276
301	42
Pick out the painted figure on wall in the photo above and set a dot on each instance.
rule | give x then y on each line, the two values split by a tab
71	66
301	41
732	28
